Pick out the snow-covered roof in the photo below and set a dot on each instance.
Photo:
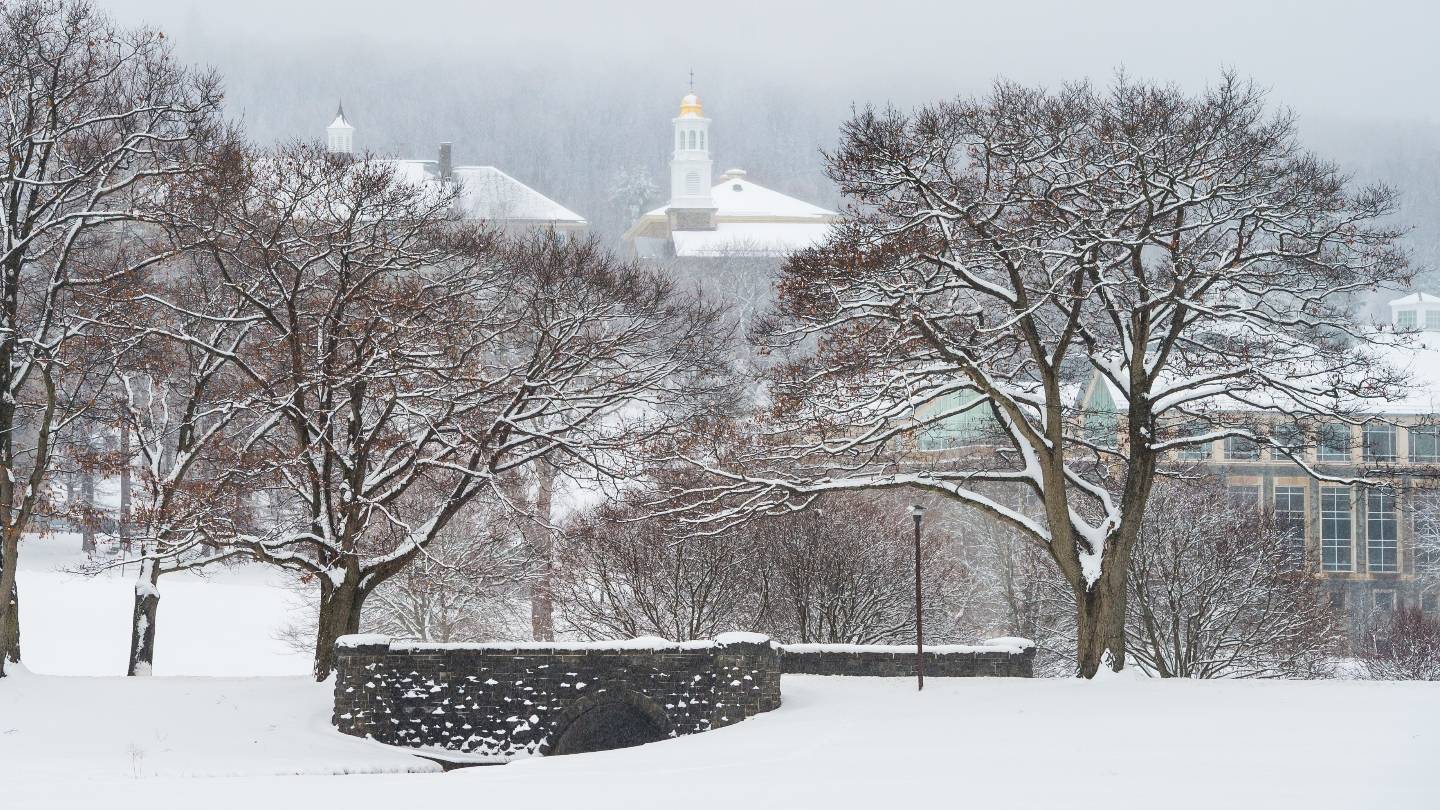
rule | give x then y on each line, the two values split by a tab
1414	299
490	194
737	197
750	238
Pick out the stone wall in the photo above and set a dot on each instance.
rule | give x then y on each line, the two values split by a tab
998	658
513	700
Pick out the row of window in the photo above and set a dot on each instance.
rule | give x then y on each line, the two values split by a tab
1337	524
1379	443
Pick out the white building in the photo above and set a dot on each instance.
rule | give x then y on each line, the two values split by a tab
732	217
486	193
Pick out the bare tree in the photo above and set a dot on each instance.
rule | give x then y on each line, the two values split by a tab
403	364
96	118
1218	589
624	572
843	572
1403	645
1004	254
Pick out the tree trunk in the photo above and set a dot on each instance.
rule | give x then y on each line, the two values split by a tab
9	602
142	621
123	527
87	508
542	605
1100	624
339	615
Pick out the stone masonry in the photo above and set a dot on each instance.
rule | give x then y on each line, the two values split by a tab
515	700
998	658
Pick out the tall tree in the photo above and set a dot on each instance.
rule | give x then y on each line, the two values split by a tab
1003	255
96	117
403	363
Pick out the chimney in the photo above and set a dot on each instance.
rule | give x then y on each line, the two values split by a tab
446	168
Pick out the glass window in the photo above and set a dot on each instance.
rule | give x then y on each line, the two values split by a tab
1288	435
1290	520
1425	511
1241	448
1428	602
1381	533
1244	496
1379	441
1405	319
1425	443
1335	526
1384	601
1333	443
1193	452
1432	319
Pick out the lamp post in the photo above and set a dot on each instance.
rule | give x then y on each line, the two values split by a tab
917	511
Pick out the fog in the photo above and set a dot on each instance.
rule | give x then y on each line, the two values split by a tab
566	95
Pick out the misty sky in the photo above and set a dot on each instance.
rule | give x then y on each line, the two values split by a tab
1327	57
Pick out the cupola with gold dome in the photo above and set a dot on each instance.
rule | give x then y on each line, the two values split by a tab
690	167
734	217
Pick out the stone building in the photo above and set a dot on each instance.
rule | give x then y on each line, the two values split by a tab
486	193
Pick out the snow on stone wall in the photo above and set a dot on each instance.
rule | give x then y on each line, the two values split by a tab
998	658
509	701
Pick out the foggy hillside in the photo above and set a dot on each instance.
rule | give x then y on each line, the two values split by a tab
570	114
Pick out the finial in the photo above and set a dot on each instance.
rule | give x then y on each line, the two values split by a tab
692	80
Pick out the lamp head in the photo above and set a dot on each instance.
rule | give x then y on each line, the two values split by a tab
916	510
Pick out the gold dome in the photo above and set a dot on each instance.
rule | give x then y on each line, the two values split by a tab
690	106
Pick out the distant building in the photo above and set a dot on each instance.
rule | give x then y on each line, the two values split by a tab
1375	547
486	193
735	217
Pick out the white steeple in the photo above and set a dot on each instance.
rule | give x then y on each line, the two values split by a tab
340	136
691	205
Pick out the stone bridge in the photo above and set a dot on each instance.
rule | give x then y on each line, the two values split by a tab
495	702
504	701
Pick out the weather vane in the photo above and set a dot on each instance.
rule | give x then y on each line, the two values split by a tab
692	80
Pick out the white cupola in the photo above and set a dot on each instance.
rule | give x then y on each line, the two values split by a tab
340	136
691	205
1416	311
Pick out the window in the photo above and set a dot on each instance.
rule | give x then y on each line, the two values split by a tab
1428	602
1335	528
1333	443
702	139
1379	441
1241	448
1384	601
1337	600
1425	443
1244	496
1425	511
1405	319
1289	436
1432	319
1290	520
1192	452
1381	531
690	139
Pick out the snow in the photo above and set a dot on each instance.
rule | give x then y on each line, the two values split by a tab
750	238
220	623
56	729
1006	645
490	194
738	197
835	743
643	643
177	743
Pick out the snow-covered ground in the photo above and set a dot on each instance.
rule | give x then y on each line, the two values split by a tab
168	743
223	623
835	743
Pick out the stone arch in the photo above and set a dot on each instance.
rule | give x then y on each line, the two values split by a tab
607	720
